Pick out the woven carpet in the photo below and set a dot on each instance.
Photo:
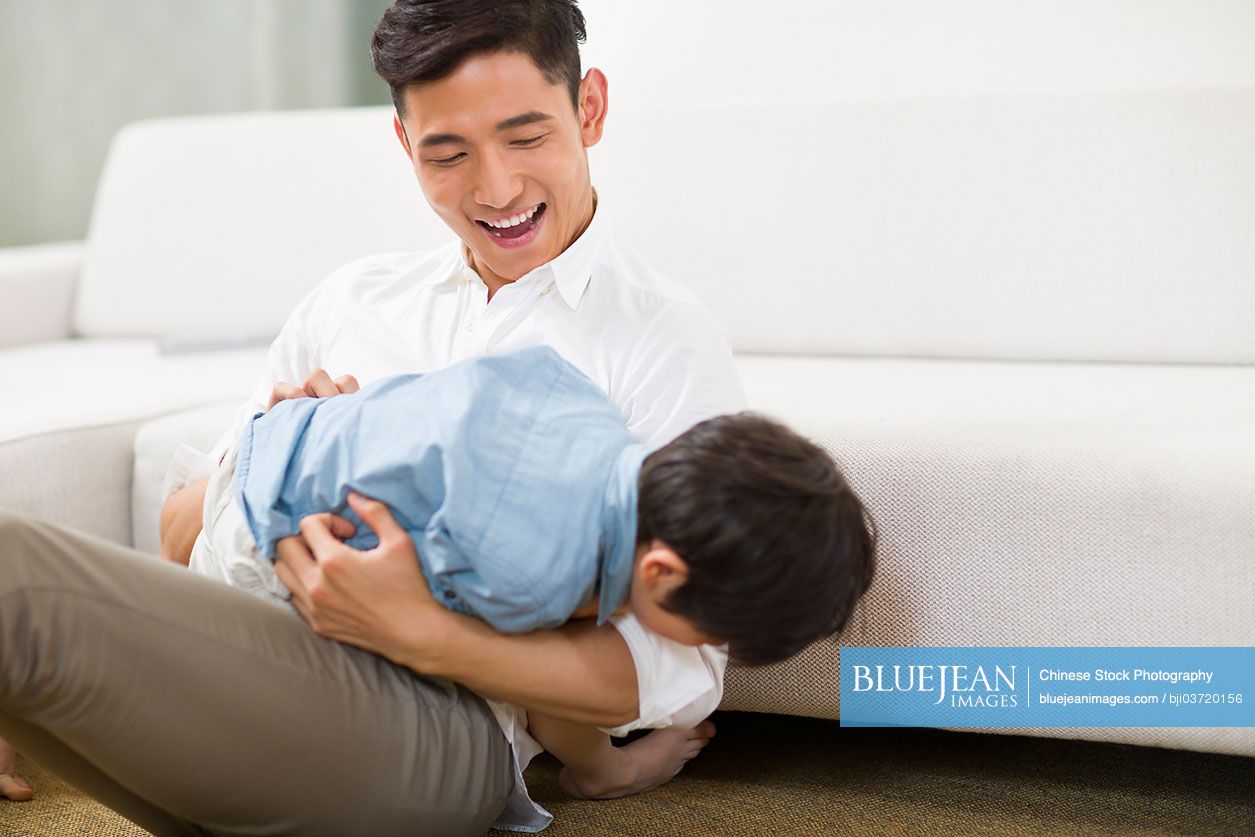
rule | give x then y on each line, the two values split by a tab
772	775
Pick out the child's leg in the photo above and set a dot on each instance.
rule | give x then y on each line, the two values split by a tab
596	769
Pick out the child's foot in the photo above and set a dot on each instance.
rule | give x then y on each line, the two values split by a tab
643	764
12	785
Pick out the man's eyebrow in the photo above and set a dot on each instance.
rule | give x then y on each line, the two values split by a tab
504	125
439	139
522	119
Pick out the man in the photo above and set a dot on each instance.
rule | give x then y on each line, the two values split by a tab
496	119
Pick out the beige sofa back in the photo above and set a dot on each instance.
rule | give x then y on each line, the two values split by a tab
1113	226
1116	227
220	224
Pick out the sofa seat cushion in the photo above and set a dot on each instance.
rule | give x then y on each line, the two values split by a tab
68	384
1031	504
1018	504
1077	497
70	412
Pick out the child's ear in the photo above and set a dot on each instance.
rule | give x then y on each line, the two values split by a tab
662	569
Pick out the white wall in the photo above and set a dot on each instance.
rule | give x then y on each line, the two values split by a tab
795	49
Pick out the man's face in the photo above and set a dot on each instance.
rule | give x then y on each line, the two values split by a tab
499	152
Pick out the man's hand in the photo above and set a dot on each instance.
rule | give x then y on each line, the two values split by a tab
318	385
375	600
379	601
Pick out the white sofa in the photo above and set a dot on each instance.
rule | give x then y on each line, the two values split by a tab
1025	326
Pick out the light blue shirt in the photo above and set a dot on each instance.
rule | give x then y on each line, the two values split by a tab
514	475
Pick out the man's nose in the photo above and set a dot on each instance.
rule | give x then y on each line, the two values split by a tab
497	185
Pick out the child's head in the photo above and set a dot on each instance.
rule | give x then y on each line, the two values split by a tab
748	534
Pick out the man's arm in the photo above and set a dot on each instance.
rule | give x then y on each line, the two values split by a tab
181	521
379	601
579	672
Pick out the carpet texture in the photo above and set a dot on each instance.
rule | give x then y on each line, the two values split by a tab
773	775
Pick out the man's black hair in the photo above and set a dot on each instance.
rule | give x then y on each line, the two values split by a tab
779	547
419	41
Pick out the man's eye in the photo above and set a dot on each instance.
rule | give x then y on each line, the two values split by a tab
529	142
448	161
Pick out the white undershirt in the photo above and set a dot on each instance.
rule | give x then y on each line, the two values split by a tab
663	359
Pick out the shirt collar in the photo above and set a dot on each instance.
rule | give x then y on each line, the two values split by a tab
618	520
456	265
572	270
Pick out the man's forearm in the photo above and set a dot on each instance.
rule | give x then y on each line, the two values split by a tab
579	672
379	601
181	520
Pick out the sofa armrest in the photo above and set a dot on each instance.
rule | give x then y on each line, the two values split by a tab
77	476
37	291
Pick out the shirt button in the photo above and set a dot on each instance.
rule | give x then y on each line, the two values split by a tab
470	326
449	594
547	289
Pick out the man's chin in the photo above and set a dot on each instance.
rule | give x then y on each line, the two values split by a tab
509	270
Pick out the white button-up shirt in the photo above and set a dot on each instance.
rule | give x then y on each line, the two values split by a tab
662	357
659	354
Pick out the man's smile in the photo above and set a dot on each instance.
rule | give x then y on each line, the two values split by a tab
516	230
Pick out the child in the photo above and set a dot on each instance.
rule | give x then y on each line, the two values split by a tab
529	504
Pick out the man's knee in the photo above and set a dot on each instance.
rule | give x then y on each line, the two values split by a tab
20	552
15	528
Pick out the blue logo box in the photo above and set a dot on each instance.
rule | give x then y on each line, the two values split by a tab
1047	687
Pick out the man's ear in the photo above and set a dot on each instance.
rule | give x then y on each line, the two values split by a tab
405	141
662	570
593	103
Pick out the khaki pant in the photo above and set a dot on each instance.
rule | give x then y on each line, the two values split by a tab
192	708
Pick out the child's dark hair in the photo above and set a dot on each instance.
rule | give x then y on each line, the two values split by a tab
419	41
778	546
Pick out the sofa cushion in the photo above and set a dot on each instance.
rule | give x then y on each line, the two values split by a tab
72	408
1017	503
1076	495
221	224
69	384
36	286
1031	504
1099	226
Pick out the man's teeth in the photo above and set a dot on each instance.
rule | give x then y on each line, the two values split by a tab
514	220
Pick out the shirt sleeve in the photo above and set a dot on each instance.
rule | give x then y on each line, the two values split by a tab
682	373
678	685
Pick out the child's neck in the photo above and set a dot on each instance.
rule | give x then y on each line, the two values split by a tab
590	610
586	612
